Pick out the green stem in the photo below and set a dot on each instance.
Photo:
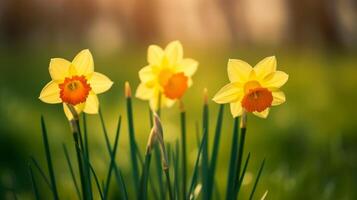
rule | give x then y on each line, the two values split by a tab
167	174
205	155
34	185
239	163
233	161
144	177
257	180
183	149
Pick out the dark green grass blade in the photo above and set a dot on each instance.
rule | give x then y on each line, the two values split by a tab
183	151
176	158
33	182
121	182
233	161
205	153
198	135
109	149
41	172
243	172
96	181
257	180
144	177
71	171
49	159
112	159
239	162
195	169
214	156
132	141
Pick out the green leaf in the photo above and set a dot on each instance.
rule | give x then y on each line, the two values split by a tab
257	180
233	161
71	171
34	185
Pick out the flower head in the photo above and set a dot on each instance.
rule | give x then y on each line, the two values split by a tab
75	83
251	89
167	75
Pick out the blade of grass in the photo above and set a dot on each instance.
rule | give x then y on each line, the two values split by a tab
183	147
49	159
96	181
233	161
257	180
243	172
214	156
239	161
121	182
112	159
132	140
71	171
195	169
33	182
176	157
86	153
109	149
41	172
144	177
205	151
158	168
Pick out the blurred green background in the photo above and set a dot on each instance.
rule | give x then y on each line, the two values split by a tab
310	142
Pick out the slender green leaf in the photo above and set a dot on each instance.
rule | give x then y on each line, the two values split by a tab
257	180
49	159
71	171
41	172
233	161
239	162
144	177
183	151
96	181
205	153
33	181
214	156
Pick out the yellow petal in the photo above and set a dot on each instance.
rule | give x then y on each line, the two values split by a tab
59	69
146	74
79	108
236	109
144	93
92	104
263	114
278	98
238	70
188	66
50	93
275	79
168	102
83	63
100	83
229	93
265	66
174	52
155	54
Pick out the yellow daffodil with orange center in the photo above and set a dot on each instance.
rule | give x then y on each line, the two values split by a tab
251	89
76	84
167	76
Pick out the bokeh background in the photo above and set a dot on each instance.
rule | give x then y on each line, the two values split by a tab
310	142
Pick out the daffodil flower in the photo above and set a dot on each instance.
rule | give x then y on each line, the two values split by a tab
167	76
75	84
251	89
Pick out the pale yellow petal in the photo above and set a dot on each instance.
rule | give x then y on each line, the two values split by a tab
168	102
59	69
263	114
236	109
91	105
188	66
265	66
50	93
155	55
100	83
143	92
83	63
278	98
238	70
275	79
229	93
146	74
79	108
174	52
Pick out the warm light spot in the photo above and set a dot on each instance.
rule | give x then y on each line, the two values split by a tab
176	86
74	90
164	76
257	99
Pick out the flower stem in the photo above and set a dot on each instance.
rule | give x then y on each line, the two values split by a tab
183	147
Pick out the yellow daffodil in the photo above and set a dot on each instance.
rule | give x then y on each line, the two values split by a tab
75	84
252	89
167	75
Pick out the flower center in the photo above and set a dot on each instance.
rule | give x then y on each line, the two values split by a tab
74	90
176	86
256	98
164	76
